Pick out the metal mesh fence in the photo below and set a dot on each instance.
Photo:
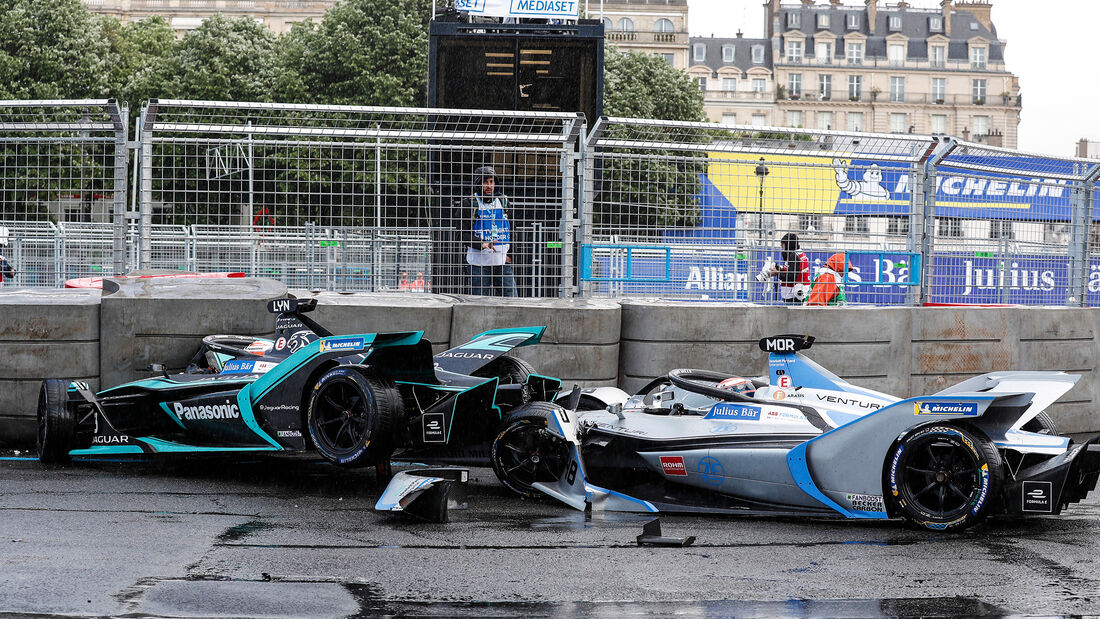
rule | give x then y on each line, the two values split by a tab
377	192
692	210
381	199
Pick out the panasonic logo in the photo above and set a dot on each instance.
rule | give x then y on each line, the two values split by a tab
227	410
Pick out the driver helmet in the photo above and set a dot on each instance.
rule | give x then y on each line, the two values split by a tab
737	384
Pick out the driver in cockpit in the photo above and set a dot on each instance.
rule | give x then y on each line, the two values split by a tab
739	385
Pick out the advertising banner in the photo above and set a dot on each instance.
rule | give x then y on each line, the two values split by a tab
547	9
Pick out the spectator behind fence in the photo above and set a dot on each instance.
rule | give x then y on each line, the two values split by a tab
7	272
488	238
794	273
829	284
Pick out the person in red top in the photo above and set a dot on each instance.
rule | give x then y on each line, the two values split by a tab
794	273
829	284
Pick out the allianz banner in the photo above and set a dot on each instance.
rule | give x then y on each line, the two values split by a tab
728	274
547	9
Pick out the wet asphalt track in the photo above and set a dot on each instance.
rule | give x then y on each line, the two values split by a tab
294	537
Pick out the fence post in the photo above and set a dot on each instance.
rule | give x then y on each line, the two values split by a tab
1081	219
120	118
585	203
569	204
920	236
148	115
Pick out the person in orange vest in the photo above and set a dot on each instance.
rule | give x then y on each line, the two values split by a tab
403	284
828	288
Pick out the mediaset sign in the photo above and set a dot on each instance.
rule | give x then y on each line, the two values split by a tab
549	9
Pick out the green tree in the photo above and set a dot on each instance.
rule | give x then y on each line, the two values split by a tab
52	49
222	60
363	52
642	189
140	48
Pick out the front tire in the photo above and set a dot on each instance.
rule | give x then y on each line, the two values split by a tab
351	417
943	477
525	452
56	422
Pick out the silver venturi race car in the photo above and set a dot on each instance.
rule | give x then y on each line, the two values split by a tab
802	441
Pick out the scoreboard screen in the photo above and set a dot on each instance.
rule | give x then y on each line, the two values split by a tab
527	67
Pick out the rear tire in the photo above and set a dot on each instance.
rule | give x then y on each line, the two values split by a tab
351	417
943	477
526	452
510	370
1041	424
56	422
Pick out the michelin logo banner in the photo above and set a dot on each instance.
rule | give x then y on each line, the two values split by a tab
557	9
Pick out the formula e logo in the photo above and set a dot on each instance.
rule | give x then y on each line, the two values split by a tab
673	466
224	410
434	431
733	411
1036	496
967	409
341	345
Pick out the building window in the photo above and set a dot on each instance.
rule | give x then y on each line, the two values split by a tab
728	53
669	58
856	223
855	53
935	23
899	123
897	89
810	223
825	53
607	25
896	53
822	21
664	25
897	226
895	23
729	118
977	57
979	125
1001	230
759	120
759	84
977	91
825	120
729	84
939	123
937	55
949	226
794	85
626	25
853	21
855	121
758	54
825	86
699	52
794	51
794	20
794	118
939	89
702	81
855	87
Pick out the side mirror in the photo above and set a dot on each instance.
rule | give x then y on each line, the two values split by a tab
158	367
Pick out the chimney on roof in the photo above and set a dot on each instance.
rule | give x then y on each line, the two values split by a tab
872	14
771	18
902	4
739	33
834	2
946	6
980	9
807	2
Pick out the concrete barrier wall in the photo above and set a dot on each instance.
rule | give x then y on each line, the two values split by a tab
43	334
76	334
146	321
581	342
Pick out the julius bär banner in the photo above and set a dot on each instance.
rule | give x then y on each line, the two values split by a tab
552	9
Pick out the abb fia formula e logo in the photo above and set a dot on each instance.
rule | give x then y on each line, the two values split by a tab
674	466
